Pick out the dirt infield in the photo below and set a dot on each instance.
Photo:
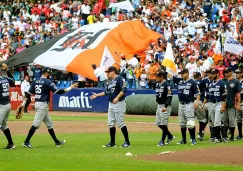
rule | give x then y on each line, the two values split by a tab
64	127
212	155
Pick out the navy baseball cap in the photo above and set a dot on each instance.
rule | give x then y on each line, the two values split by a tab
215	71
208	71
227	70
185	70
46	69
240	71
111	68
197	74
161	74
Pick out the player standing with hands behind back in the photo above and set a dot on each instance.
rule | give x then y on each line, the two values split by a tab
5	106
116	89
41	88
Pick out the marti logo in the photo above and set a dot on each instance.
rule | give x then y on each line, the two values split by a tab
81	101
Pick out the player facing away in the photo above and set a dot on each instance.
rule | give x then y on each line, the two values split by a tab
163	98
5	106
116	89
42	88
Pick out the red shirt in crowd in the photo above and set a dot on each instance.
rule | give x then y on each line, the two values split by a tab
221	70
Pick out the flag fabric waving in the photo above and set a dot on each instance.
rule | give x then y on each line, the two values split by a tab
169	60
231	44
77	51
218	51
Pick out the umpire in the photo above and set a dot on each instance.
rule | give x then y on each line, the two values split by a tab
115	89
229	116
239	113
5	106
187	91
41	88
163	98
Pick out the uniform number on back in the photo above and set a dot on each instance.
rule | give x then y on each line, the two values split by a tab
38	89
5	87
186	92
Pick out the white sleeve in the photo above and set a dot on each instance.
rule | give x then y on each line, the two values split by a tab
22	88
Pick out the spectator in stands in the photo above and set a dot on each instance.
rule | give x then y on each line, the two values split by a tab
101	76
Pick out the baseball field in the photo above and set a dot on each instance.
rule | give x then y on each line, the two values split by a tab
85	133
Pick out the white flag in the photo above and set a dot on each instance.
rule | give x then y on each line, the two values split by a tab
107	59
232	45
169	60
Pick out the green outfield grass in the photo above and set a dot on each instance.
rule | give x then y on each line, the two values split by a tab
85	152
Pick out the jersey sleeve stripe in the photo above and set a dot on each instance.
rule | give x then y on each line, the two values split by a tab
56	91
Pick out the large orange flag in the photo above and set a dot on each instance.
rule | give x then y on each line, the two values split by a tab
77	51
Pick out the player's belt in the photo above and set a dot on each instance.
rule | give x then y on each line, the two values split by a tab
183	103
215	101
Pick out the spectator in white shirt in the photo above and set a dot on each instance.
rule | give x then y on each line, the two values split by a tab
85	8
191	66
101	75
25	86
34	17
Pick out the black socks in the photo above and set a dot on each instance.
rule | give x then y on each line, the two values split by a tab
192	133
113	135
125	134
239	125
183	133
202	126
30	134
53	135
8	136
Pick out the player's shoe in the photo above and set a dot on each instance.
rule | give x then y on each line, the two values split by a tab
194	142
238	137
211	140
200	136
126	145
217	141
232	139
60	143
109	145
170	139
10	146
225	140
27	144
160	144
181	142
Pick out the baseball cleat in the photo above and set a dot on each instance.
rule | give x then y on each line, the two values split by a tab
225	140
10	146
217	141
27	144
126	145
194	142
160	144
181	142
232	139
170	139
211	140
238	137
200	136
60	143
109	145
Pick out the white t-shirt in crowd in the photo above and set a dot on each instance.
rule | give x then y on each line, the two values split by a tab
191	68
99	72
143	81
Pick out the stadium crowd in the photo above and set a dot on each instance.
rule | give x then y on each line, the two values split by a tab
192	27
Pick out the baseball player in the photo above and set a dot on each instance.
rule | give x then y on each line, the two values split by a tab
5	106
163	98
206	104
217	97
41	88
229	116
115	89
188	91
239	114
25	86
200	113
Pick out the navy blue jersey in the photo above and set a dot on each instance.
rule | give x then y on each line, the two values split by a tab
233	87
187	90
42	88
163	91
241	93
202	84
4	89
114	87
216	91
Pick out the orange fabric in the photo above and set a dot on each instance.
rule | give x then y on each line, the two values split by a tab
138	72
167	12
152	72
142	57
128	38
